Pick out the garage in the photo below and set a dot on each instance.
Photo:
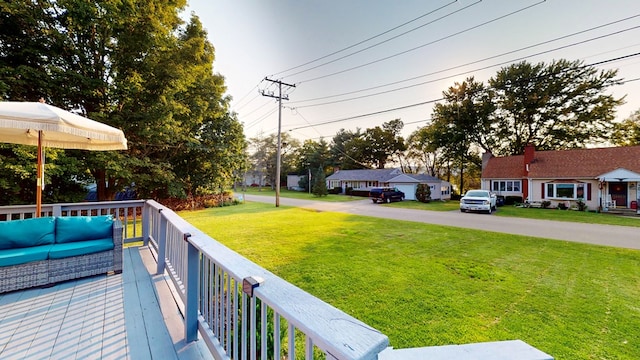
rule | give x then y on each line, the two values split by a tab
409	190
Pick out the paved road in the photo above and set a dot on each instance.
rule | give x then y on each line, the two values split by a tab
607	235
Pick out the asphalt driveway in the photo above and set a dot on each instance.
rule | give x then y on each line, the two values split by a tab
607	235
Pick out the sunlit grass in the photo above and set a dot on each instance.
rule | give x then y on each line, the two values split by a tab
300	195
425	285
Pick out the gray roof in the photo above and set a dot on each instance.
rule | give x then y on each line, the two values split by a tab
380	175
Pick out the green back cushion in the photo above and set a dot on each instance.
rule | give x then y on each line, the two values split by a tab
27	232
80	228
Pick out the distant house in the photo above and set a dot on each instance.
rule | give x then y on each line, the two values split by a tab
407	183
293	181
601	177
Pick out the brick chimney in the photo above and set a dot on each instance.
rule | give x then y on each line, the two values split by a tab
529	154
485	159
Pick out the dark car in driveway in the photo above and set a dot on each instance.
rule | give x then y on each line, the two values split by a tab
385	195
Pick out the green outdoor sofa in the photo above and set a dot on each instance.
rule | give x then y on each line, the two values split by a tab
44	251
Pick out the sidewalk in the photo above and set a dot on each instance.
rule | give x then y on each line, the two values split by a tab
606	235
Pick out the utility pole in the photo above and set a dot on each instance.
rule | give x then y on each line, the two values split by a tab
279	97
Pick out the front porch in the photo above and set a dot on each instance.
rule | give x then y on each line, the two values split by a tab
183	295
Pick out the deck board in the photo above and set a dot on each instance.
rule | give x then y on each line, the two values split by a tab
117	316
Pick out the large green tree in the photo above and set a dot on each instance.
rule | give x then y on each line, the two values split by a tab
134	65
348	150
383	143
460	124
554	106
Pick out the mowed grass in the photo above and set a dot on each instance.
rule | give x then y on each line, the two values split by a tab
300	195
425	285
529	213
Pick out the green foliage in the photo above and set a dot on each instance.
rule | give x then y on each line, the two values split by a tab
478	286
148	73
582	206
560	105
381	143
627	133
347	150
423	193
264	157
319	187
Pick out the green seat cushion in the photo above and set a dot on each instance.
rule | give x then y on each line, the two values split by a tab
9	257
27	232
81	228
61	251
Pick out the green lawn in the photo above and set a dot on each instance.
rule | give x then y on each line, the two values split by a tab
530	213
425	285
300	195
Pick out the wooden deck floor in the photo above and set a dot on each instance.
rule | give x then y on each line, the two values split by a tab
127	316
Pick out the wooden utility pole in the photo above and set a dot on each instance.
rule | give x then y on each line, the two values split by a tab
280	97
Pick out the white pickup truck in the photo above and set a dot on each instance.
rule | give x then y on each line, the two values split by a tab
478	200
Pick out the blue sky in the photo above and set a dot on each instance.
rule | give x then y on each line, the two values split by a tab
255	39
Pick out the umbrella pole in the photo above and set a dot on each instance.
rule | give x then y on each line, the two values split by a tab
40	177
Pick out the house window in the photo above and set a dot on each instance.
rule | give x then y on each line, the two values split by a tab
506	185
572	191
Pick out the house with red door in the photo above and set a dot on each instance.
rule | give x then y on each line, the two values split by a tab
603	178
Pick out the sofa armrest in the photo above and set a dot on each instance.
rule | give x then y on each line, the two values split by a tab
117	246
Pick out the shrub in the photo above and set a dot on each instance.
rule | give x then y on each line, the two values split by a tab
512	200
545	204
423	193
581	205
335	190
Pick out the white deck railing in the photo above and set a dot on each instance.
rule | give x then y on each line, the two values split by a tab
278	319
129	212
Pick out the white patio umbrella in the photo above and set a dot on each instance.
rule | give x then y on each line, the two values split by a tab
42	125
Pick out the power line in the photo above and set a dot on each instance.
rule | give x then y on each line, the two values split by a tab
389	39
370	114
483	68
364	41
470	63
440	99
423	45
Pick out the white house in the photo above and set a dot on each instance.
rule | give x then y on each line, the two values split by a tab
369	178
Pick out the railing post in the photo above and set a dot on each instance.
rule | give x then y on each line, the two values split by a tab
162	242
57	210
146	218
191	292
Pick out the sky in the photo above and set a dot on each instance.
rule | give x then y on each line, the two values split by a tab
406	53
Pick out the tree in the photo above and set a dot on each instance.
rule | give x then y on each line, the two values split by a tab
423	193
561	105
264	156
383	142
423	149
144	72
319	187
461	123
627	132
311	155
347	150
